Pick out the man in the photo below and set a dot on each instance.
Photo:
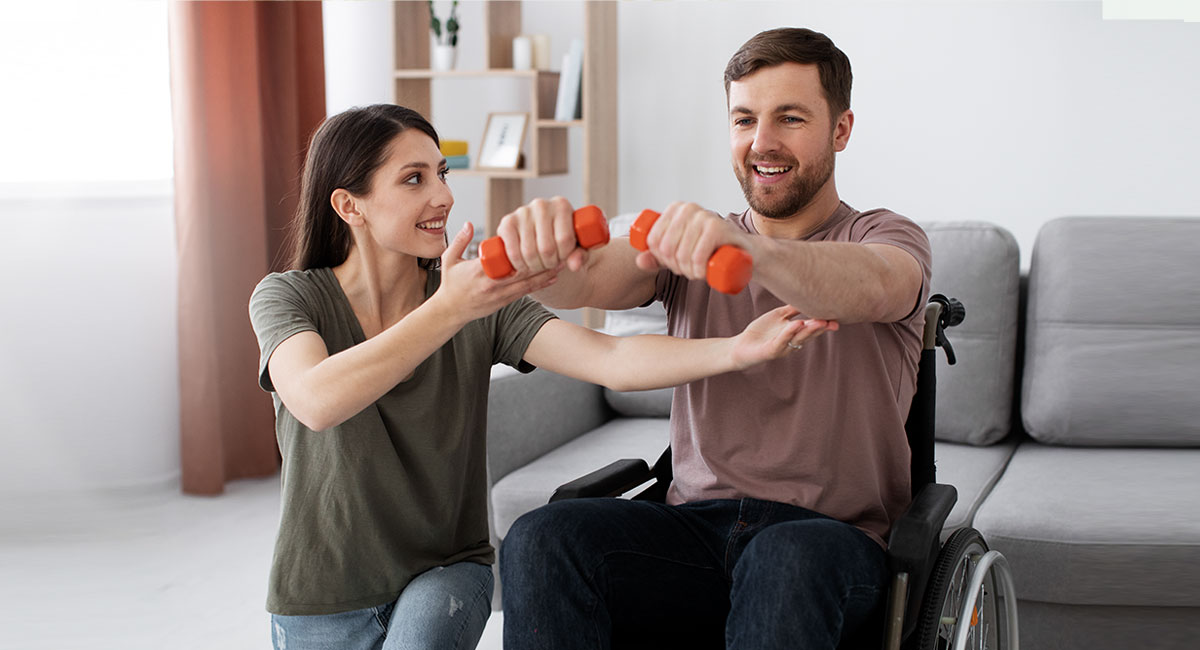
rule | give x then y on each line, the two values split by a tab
787	477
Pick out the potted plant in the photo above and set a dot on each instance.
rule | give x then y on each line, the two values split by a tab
445	51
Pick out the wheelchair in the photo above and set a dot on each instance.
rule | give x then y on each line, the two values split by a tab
953	595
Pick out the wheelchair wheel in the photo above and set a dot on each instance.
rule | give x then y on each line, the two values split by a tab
940	615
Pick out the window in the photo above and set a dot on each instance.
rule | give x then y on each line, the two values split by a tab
86	95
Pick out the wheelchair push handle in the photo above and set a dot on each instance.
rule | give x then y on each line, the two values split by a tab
729	268
591	230
952	313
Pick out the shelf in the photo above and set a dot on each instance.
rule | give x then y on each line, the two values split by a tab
501	72
555	124
502	173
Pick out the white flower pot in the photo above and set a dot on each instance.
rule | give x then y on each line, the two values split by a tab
444	57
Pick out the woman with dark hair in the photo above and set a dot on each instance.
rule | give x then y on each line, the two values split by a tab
377	349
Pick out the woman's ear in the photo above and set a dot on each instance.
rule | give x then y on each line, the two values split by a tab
346	206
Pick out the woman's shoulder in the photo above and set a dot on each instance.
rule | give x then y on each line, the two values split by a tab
296	283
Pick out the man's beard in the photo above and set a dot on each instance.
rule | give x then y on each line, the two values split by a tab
783	201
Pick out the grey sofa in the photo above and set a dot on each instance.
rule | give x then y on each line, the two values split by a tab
1070	425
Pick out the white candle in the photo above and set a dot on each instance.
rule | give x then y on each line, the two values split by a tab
522	53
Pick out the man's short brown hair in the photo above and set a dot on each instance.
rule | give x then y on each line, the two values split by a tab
796	45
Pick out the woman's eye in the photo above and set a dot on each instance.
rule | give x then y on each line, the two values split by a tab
415	179
443	173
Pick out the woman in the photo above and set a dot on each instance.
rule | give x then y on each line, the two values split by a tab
378	361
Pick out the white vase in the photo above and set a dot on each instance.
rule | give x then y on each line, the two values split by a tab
444	57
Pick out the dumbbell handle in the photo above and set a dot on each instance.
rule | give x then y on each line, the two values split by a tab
591	230
729	267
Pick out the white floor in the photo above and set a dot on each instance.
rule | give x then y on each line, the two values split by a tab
142	570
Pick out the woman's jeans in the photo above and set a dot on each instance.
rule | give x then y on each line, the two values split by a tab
601	573
443	608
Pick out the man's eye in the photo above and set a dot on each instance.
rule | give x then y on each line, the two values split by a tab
744	121
791	119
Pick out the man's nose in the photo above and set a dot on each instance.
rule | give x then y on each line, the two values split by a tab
765	138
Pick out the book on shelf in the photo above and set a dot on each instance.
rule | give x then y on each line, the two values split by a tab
458	162
454	147
568	106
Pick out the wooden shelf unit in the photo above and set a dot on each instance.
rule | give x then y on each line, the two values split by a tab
546	145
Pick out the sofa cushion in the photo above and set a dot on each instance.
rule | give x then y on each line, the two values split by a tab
979	264
531	486
1098	526
1113	333
972	470
640	403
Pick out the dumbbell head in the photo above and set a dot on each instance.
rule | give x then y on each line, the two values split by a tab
641	228
729	269
591	228
494	258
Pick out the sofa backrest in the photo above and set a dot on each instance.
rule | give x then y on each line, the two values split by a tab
979	264
1113	333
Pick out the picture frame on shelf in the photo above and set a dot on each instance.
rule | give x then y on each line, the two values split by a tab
502	139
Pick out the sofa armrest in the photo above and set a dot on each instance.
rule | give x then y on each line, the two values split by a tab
532	414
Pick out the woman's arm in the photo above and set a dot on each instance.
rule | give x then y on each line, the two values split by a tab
655	361
323	390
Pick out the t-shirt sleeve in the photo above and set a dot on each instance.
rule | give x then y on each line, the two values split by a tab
277	312
516	325
884	227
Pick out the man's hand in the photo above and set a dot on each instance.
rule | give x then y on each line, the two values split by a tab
540	236
684	237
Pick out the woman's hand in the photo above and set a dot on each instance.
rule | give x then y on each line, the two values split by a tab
471	292
776	334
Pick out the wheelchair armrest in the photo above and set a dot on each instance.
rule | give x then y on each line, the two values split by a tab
913	542
612	480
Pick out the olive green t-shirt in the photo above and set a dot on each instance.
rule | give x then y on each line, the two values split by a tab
398	488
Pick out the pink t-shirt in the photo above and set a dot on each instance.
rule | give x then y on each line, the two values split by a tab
822	428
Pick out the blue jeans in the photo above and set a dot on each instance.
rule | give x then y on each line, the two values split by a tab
602	573
443	608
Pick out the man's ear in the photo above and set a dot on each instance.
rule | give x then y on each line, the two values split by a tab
841	130
346	206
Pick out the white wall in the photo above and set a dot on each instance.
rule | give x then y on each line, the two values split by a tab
1011	112
89	384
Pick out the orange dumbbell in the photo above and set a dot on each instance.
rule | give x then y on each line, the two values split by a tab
729	268
591	230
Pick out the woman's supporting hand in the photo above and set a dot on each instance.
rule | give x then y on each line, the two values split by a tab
775	334
471	291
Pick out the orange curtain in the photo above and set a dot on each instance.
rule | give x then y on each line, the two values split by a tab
247	90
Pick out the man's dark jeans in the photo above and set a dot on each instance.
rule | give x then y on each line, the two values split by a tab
601	573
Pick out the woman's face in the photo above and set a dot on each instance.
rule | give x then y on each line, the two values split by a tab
409	200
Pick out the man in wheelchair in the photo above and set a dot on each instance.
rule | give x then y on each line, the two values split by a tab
787	477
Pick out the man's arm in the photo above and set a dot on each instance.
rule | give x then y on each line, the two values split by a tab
541	235
843	281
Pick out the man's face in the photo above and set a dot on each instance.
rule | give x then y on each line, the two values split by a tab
782	138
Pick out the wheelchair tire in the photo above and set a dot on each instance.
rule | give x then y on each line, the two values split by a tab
945	595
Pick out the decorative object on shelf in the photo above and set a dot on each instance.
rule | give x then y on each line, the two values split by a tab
458	162
568	106
502	138
522	53
445	52
541	51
